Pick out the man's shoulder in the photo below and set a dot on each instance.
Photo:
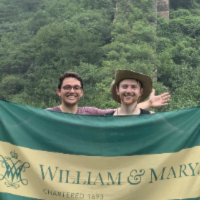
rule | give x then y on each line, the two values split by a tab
92	111
143	111
56	108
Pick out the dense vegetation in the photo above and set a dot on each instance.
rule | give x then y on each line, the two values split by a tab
41	39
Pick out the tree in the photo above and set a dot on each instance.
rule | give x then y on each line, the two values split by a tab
186	4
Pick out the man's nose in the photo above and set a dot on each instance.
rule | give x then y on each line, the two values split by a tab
72	90
129	89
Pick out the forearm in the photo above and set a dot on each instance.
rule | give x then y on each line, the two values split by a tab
144	105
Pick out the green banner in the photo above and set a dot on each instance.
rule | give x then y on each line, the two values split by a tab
51	155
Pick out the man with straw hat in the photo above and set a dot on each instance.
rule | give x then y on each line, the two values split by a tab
130	88
70	90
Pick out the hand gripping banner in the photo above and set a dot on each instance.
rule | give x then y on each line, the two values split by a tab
57	156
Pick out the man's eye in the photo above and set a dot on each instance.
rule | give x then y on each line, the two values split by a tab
67	87
124	86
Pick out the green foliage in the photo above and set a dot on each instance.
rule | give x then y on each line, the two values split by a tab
10	85
40	19
185	4
178	54
185	87
179	13
41	39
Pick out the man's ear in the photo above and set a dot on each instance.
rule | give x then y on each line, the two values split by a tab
141	91
58	92
81	92
117	90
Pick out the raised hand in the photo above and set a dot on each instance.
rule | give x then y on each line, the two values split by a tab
160	100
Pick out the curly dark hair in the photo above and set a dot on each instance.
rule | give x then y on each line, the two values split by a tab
69	74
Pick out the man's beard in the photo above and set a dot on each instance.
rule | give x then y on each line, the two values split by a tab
122	97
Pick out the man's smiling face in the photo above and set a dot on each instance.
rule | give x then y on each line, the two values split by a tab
129	91
70	91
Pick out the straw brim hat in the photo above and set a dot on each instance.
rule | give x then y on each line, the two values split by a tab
122	74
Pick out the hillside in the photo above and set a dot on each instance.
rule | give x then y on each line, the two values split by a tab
41	39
